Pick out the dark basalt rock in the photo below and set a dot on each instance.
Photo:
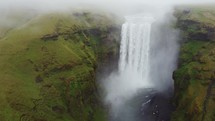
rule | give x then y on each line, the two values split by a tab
58	109
194	30
39	79
186	11
50	37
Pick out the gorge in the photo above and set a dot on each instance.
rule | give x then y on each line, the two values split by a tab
100	63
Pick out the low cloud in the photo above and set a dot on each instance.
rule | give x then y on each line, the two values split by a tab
48	5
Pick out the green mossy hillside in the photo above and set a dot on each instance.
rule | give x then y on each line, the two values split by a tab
48	67
195	77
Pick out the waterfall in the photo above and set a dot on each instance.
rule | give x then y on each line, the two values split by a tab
135	46
145	68
134	68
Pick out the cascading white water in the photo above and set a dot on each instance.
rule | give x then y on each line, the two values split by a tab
134	63
135	46
145	68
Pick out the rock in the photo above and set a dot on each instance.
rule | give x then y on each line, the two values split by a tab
58	109
38	79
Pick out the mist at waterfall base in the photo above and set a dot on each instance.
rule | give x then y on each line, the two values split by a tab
143	81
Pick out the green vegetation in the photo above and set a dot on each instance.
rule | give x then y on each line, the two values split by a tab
203	14
48	68
195	77
192	79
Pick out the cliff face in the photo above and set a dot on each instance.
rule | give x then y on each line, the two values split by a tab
195	77
48	67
